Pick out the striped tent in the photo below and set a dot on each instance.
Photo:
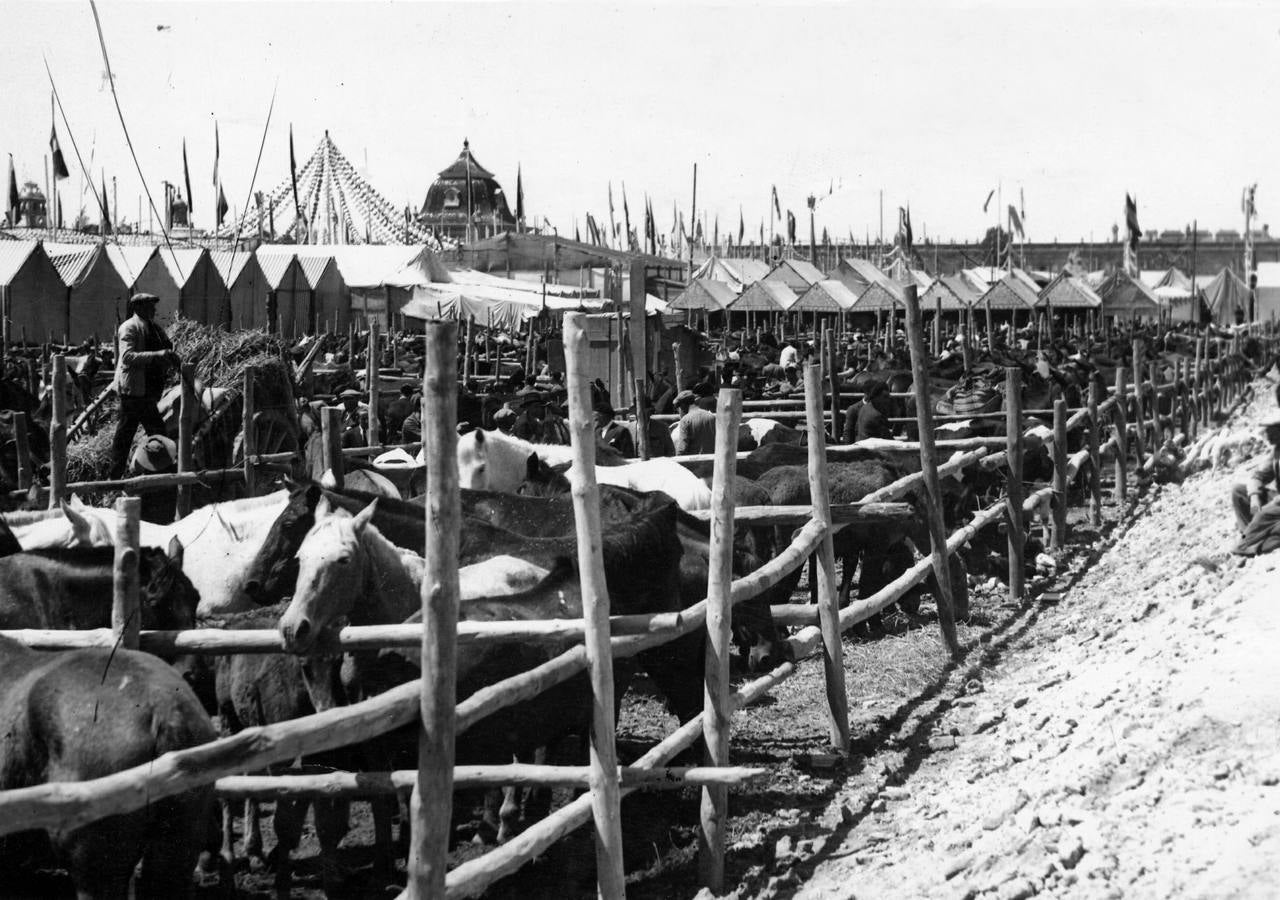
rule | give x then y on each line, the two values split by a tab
705	294
955	293
1124	296
1016	290
1067	291
829	296
765	296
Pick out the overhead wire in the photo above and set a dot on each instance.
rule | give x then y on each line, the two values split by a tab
111	80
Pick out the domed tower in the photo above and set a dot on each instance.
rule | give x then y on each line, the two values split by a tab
448	210
32	207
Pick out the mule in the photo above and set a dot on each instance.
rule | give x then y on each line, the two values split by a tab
84	714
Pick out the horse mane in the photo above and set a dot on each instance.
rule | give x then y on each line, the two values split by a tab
30	517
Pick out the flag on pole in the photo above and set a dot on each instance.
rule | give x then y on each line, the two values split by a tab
987	202
626	216
1131	220
1247	201
222	204
1022	205
293	177
59	164
791	227
742	226
715	234
11	208
186	177
106	208
1015	222
776	207
519	197
904	228
217	151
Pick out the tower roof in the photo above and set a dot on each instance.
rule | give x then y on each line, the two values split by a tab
459	167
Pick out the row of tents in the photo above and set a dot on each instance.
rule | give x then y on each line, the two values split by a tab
859	286
52	290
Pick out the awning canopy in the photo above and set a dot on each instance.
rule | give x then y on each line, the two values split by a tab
706	294
826	296
1067	291
765	296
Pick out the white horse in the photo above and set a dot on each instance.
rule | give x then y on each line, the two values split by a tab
491	460
72	524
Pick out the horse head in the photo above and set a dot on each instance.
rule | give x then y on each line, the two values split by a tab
542	480
167	598
331	575
473	460
274	571
86	529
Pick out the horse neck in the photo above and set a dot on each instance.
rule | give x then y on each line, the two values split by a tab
232	515
392	590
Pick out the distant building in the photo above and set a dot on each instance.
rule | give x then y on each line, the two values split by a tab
446	208
32	207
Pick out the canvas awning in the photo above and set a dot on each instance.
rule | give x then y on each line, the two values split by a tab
765	296
706	294
829	295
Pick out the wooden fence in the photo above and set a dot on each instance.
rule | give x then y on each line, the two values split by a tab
1194	396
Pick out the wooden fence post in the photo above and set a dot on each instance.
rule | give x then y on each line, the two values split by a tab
828	592
249	439
717	712
373	358
1095	457
833	382
1139	419
606	792
642	420
331	431
1122	435
468	350
186	425
1017	532
1059	474
58	433
432	801
929	466
1157	425
22	441
126	616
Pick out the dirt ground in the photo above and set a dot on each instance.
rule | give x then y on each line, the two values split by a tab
1117	736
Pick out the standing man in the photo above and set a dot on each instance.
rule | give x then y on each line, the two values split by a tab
696	430
145	356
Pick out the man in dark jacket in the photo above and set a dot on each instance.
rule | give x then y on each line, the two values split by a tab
145	356
873	418
612	433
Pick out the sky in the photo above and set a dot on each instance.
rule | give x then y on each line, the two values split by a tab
1063	109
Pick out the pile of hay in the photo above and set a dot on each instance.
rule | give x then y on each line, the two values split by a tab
221	358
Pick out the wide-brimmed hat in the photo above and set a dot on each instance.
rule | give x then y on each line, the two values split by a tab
604	407
140	298
350	394
156	454
506	414
685	396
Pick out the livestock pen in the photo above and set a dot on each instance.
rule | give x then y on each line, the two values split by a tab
430	700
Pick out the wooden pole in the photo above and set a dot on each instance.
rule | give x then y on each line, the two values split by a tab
249	439
22	441
1122	435
1157	430
828	593
468	350
126	616
929	467
642	420
1095	456
675	364
606	794
432	801
331	434
186	427
1017	532
373	435
717	711
58	433
1059	474
1139	441
833	381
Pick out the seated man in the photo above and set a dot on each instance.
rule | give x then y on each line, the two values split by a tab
1259	489
611	433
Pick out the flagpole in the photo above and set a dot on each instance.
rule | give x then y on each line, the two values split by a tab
693	217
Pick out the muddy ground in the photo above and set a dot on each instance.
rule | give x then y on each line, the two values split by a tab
1119	735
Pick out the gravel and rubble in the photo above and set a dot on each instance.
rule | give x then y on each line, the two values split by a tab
1126	742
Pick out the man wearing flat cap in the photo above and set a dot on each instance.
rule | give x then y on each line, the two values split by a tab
145	357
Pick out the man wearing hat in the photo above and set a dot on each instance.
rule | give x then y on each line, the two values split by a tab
696	430
145	356
505	419
1259	489
610	433
353	434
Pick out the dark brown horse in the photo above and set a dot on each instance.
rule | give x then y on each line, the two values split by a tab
84	714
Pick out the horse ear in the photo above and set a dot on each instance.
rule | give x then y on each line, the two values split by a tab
531	467
479	433
176	551
79	524
313	494
364	517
